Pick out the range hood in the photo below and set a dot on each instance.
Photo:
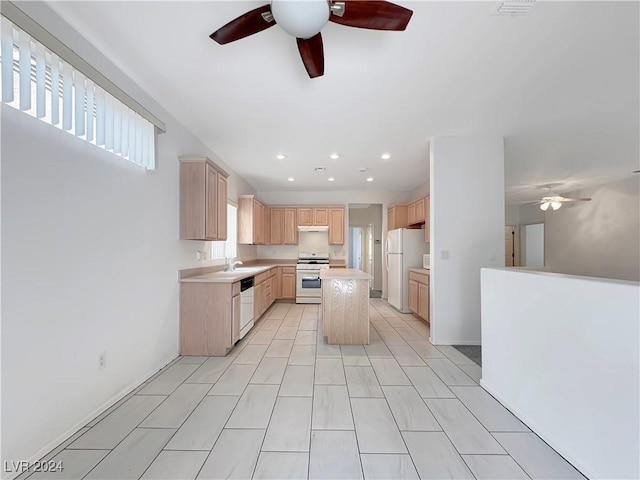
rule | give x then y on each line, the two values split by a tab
314	228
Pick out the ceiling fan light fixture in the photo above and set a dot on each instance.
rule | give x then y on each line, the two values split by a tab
301	18
556	205
545	206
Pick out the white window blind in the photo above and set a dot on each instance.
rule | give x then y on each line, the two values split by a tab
36	81
228	248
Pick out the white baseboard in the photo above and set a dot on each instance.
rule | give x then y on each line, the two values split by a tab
534	428
49	447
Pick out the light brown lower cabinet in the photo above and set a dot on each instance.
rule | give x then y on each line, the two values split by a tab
210	312
264	292
288	284
345	310
258	300
419	295
209	318
423	301
236	305
413	296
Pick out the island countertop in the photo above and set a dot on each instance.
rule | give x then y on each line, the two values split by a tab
344	273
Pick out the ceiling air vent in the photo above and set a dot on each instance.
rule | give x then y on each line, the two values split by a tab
514	7
320	169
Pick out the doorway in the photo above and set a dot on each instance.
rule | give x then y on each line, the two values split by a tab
534	245
361	248
511	246
365	244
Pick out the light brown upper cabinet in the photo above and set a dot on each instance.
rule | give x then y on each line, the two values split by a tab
251	220
283	227
420	217
397	217
411	214
336	226
277	226
290	235
417	211
266	239
222	207
321	216
305	217
203	200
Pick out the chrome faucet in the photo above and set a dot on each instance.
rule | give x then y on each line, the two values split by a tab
232	266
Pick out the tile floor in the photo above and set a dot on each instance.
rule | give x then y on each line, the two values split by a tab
284	404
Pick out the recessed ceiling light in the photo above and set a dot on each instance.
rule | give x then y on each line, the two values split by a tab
331	179
281	156
334	156
363	169
291	179
385	156
370	179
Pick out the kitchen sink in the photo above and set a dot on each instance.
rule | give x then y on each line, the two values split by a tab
245	270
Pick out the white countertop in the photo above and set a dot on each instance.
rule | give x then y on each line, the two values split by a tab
345	274
424	271
229	277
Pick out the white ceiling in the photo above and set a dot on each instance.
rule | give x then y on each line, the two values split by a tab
561	85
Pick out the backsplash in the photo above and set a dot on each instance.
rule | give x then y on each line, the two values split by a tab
307	242
291	251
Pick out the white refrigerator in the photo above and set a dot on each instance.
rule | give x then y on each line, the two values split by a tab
405	248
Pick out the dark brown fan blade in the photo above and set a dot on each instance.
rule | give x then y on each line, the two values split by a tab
243	26
374	15
312	54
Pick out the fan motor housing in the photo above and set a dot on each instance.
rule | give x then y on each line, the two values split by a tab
302	19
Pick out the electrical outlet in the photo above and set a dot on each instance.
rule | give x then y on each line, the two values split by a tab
102	360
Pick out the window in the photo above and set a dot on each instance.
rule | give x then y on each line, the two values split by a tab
228	248
37	81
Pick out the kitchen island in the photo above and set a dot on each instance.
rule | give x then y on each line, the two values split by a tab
345	306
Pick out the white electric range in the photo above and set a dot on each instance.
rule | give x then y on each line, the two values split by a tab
308	284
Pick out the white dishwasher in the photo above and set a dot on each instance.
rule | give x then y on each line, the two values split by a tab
246	305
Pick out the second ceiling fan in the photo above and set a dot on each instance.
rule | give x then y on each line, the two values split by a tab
305	18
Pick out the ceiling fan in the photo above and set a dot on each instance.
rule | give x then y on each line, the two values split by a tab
555	201
305	18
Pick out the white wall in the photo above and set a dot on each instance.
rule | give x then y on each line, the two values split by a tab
371	215
512	214
90	254
467	225
564	358
533	245
600	238
530	213
420	191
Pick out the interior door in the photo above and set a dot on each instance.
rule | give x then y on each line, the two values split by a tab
355	247
368	249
